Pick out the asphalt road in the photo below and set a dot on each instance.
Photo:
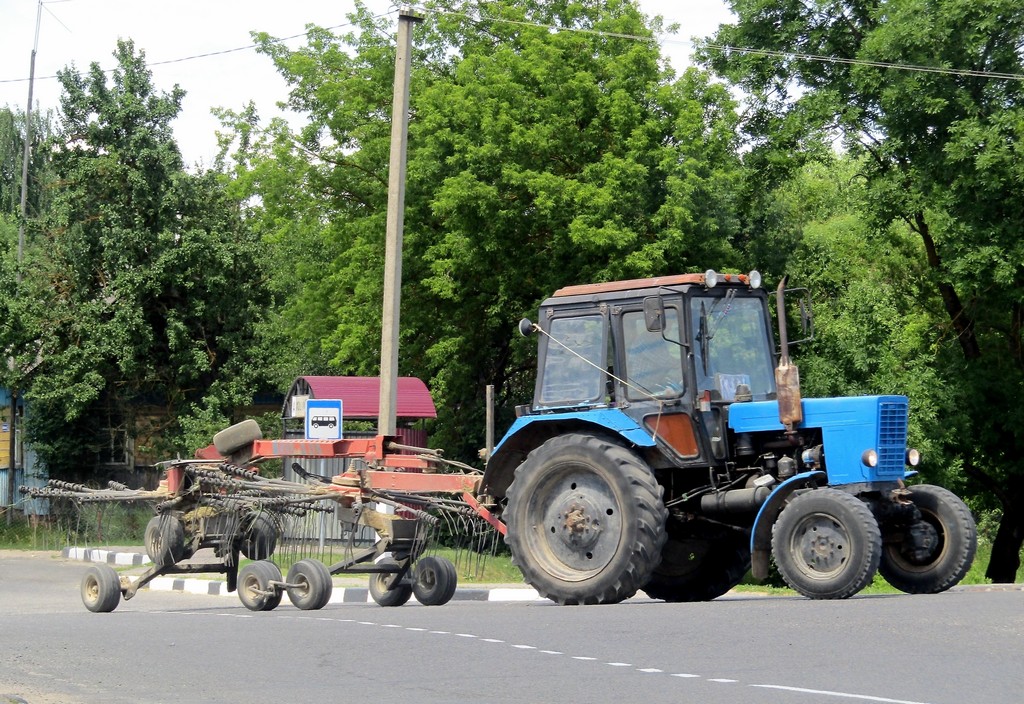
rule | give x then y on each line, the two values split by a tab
962	646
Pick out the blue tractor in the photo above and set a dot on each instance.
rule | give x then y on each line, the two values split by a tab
667	450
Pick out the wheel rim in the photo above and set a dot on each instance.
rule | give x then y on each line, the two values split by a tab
579	527
428	578
822	545
92	589
907	561
253	588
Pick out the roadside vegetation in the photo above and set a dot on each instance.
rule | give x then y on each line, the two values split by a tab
537	158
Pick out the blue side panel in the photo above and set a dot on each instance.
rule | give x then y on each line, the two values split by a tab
611	418
849	426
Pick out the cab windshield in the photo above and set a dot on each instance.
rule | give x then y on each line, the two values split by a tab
731	346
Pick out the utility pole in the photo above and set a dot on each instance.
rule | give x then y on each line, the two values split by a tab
23	214
387	415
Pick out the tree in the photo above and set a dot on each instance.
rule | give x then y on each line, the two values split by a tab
546	148
941	135
145	283
12	148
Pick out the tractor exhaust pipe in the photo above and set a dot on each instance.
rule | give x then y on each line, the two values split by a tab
787	376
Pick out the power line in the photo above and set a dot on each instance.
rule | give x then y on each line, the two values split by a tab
275	40
754	51
963	73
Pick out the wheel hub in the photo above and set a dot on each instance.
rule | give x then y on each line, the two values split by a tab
579	526
824	546
921	542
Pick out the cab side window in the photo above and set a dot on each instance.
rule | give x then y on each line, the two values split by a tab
654	364
575	361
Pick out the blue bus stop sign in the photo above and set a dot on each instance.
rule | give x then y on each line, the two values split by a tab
323	419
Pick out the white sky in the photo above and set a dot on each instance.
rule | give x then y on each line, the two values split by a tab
83	31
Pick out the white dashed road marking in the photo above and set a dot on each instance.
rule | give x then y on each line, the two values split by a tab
582	658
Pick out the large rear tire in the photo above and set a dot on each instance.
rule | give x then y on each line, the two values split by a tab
586	522
827	544
951	539
699	562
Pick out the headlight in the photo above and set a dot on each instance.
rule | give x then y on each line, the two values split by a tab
754	279
869	458
710	278
913	457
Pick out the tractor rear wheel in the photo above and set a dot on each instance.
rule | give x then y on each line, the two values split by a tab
586	521
941	555
827	544
699	562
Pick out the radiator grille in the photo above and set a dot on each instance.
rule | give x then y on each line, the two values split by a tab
892	438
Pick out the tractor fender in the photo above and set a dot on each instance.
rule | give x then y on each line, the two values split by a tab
761	533
530	432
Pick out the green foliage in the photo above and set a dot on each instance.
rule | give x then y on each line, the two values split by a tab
536	159
940	156
12	154
145	283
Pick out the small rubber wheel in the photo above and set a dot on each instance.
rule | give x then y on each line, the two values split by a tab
254	586
387	588
101	589
237	436
436	580
312	585
259	536
165	540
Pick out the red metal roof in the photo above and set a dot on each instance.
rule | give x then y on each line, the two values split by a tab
361	395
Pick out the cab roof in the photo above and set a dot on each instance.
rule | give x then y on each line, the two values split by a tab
675	280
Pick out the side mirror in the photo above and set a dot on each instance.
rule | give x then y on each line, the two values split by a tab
800	299
654	313
525	327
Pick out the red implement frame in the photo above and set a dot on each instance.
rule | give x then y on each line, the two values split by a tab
388	470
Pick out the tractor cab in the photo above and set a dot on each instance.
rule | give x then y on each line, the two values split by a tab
668	352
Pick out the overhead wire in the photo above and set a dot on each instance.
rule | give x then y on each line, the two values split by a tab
775	53
751	50
208	54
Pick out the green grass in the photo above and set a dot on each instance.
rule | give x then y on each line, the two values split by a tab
124	525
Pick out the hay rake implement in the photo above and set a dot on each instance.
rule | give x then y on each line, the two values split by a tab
224	504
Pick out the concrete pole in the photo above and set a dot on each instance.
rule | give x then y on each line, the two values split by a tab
23	213
386	419
489	429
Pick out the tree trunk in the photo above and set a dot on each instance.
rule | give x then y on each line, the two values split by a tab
962	323
1002	568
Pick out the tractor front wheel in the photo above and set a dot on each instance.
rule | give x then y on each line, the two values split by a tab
827	544
933	554
586	521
